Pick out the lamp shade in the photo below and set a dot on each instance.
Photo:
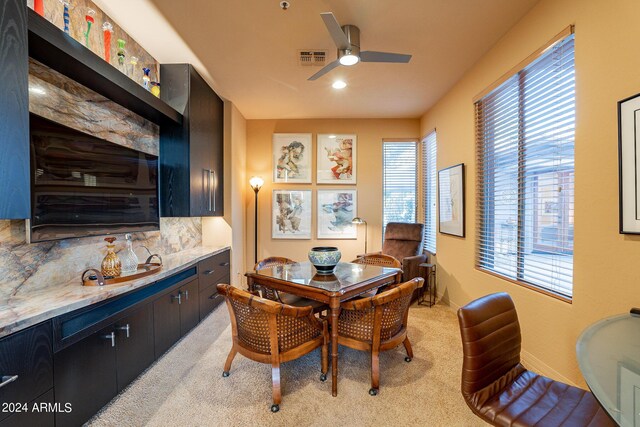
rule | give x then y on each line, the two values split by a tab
358	220
256	182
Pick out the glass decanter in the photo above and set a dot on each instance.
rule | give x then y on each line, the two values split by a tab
111	266
128	257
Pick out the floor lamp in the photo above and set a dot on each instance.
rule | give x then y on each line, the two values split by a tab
256	183
358	221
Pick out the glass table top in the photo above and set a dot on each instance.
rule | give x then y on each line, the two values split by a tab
345	274
609	358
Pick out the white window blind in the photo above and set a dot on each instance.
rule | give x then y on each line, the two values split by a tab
399	182
429	151
525	131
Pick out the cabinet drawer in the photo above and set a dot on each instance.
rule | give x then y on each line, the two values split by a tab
213	269
209	298
28	355
38	413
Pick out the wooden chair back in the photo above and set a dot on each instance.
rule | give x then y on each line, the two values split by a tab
381	260
270	262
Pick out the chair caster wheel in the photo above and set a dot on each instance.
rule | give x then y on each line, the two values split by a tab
407	359
373	391
225	373
275	408
323	377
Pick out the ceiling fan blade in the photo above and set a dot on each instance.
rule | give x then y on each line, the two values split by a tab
325	70
373	56
339	37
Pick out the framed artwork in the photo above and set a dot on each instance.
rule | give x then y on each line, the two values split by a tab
629	165
291	214
451	200
292	157
336	209
336	159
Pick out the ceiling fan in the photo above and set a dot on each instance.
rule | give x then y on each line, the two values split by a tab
347	39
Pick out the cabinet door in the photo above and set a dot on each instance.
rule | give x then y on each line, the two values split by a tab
35	415
218	154
201	143
166	321
85	377
189	307
26	365
134	345
210	299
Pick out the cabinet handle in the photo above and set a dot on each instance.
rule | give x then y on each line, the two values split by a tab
125	328
178	297
7	379
186	295
215	187
112	337
209	189
224	264
214	296
208	272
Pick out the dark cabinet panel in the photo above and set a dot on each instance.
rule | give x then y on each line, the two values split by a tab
166	320
37	413
191	155
85	376
134	345
210	299
213	269
26	365
189	307
14	111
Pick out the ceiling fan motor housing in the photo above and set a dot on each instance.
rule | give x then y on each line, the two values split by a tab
353	35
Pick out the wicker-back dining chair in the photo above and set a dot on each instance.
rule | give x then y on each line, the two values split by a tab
284	297
270	332
380	260
378	323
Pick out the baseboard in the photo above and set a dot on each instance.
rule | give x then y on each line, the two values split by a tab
528	360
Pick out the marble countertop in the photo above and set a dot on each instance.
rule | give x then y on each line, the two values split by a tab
28	308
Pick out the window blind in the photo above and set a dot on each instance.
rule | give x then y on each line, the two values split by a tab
399	182
429	151
525	131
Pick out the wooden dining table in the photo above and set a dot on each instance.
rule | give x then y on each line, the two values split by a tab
347	281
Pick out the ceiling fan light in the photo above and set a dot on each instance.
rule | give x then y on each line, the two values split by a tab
349	59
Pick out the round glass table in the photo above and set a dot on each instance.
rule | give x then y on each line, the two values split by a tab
609	357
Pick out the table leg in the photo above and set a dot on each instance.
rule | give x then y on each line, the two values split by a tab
334	305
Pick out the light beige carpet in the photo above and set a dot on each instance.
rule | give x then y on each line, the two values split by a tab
186	388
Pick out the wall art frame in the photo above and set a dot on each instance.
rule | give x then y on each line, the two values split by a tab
629	164
336	159
291	212
292	158
451	197
336	210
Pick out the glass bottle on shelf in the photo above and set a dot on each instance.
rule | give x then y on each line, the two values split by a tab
66	5
146	80
155	89
89	17
107	30
134	66
121	56
128	257
111	265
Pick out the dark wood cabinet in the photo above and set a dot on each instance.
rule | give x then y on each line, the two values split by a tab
189	307
26	365
14	111
166	321
210	299
85	376
36	413
134	345
191	154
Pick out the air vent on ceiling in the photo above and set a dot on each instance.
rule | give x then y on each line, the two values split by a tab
312	57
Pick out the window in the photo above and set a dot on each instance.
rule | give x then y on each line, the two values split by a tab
429	190
400	174
525	131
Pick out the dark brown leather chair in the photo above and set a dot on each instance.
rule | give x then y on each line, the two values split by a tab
403	241
499	389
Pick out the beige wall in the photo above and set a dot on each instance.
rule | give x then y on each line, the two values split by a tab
230	229
606	268
370	133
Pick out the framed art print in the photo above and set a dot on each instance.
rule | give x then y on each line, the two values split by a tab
336	159
336	210
292	157
291	214
629	164
451	200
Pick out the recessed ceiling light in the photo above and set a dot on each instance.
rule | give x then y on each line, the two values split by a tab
339	84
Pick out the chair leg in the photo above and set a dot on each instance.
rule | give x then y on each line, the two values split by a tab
407	346
325	361
227	364
375	373
277	394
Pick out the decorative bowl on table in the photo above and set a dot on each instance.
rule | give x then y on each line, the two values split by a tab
324	258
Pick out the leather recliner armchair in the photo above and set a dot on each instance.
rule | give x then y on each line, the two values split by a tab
403	241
